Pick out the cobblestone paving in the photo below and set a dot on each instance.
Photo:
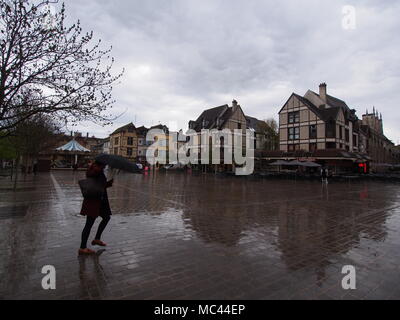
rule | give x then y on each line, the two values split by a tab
176	236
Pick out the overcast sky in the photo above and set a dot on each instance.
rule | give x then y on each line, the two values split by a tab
182	57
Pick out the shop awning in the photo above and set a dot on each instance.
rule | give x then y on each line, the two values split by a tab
279	163
310	164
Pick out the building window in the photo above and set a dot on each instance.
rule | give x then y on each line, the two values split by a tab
115	150
313	131
129	152
294	117
313	147
347	135
131	129
294	133
293	147
355	140
330	129
340	133
239	126
116	140
130	141
140	142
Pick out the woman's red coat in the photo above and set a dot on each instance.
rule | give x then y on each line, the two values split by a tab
97	207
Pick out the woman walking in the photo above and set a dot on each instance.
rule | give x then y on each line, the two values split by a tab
92	208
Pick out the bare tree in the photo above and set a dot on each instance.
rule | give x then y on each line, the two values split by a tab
30	138
49	68
270	129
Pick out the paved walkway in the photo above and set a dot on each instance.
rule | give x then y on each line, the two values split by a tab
178	236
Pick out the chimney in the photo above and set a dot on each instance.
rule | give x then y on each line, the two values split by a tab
234	106
87	135
322	91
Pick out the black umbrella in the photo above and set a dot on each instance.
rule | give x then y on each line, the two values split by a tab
117	162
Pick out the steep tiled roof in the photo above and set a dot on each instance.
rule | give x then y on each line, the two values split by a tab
209	117
252	123
335	102
142	130
308	103
323	114
124	128
160	126
330	113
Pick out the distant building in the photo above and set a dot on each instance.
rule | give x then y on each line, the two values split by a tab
106	145
181	139
219	118
317	122
163	150
124	142
142	143
262	134
322	128
374	142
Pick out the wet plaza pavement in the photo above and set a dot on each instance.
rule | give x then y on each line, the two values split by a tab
177	236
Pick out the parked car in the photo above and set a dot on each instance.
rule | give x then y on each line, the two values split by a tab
170	167
140	166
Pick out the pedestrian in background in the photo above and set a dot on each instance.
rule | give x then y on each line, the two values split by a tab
324	174
35	168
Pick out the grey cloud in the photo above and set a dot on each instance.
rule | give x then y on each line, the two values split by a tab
183	56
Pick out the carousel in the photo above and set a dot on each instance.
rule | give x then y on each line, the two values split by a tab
71	154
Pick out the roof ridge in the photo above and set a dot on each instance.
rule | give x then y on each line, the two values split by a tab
224	105
328	95
124	126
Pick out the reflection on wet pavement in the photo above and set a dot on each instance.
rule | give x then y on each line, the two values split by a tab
179	236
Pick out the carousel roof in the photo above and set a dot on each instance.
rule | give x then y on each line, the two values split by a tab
73	145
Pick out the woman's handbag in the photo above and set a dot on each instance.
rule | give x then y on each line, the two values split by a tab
91	188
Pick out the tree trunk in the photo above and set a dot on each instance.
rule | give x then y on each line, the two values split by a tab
16	173
12	169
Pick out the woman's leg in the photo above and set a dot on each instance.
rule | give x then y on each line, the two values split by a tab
86	231
102	226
